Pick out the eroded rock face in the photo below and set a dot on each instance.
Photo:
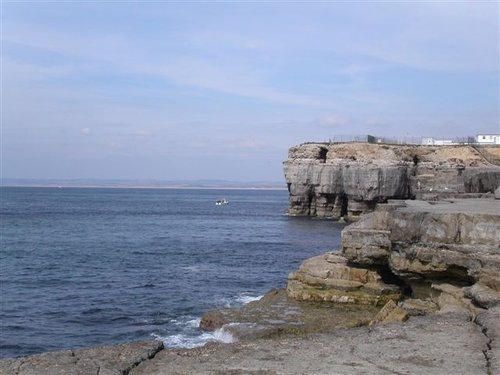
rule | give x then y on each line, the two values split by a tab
330	278
457	239
346	180
446	253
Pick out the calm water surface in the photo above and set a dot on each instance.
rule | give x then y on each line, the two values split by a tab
84	267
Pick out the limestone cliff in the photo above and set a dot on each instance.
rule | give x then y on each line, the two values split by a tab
446	253
345	180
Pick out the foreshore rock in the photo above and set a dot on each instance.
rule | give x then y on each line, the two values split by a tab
446	253
390	313
447	344
328	277
105	360
277	314
345	180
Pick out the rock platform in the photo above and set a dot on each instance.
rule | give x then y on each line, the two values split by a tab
105	360
445	344
435	344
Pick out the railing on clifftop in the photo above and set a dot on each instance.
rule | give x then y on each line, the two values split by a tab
400	140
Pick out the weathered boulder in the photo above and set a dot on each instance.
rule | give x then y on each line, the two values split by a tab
451	298
483	296
329	277
390	313
417	307
211	321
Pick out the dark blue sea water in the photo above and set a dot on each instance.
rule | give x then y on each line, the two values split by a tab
85	267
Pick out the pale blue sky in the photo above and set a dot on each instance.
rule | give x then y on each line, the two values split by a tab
218	90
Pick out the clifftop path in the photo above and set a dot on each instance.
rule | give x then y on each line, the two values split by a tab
346	180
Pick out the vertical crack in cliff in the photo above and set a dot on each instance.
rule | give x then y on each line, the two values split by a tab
487	348
323	151
344	205
458	234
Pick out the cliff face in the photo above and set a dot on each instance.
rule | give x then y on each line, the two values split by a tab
446	253
345	180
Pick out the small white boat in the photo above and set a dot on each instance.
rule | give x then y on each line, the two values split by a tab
221	202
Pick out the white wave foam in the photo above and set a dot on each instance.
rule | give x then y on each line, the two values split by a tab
186	320
193	269
221	335
195	323
240	299
244	298
186	341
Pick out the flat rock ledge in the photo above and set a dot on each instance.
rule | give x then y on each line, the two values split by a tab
105	360
434	344
443	344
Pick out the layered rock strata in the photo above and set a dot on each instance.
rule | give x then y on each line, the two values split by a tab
444	254
328	277
346	180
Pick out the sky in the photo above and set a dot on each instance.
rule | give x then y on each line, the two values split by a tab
173	90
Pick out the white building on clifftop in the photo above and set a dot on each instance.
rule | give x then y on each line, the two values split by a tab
488	139
429	141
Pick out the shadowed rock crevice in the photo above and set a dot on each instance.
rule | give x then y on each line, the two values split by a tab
390	277
489	324
323	151
487	352
149	356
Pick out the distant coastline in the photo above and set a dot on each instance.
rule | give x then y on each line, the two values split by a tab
143	184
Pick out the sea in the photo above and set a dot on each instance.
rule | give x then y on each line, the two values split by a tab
83	267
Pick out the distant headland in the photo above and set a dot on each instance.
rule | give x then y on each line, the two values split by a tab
142	184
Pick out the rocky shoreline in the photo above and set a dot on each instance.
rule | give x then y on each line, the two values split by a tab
448	285
329	180
449	343
415	288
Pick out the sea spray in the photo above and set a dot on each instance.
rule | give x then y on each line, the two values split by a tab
192	337
188	342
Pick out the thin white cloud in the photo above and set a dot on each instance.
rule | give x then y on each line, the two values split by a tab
85	131
227	85
333	121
